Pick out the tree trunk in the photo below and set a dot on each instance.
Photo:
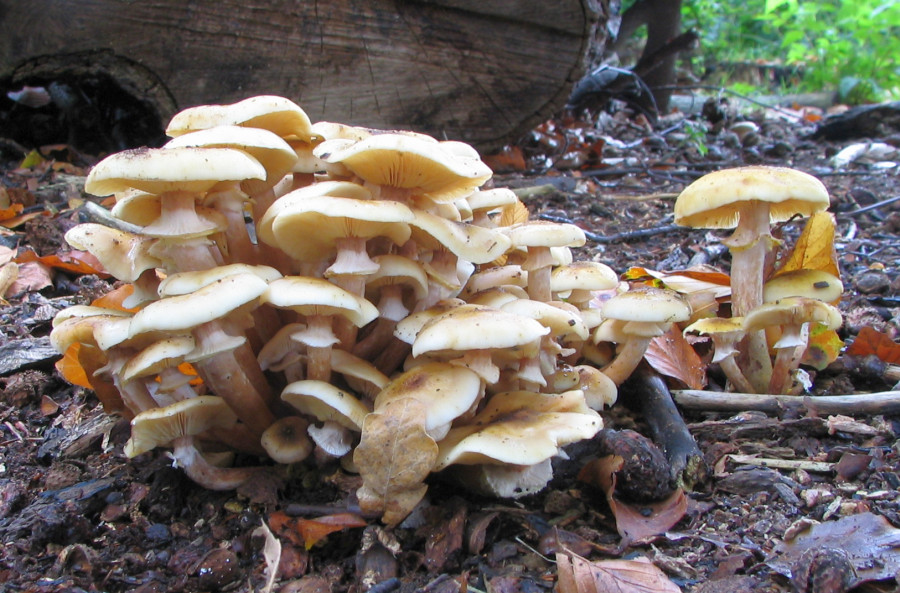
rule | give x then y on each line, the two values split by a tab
483	72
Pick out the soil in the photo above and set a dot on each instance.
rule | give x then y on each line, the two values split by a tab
76	515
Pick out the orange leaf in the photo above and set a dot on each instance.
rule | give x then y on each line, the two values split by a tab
75	262
870	341
70	368
671	355
113	299
507	160
814	249
308	532
13	210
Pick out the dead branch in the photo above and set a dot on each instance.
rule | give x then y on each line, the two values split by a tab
885	402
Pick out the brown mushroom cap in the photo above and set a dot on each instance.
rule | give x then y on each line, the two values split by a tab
713	200
286	441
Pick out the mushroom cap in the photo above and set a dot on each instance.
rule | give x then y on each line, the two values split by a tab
544	233
326	402
166	353
474	327
309	229
396	269
103	328
424	166
520	428
316	296
276	114
160	170
475	244
654	305
792	311
268	148
583	275
336	189
213	301
124	255
187	282
725	333
286	441
448	391
815	284
714	200
563	323
160	426
136	207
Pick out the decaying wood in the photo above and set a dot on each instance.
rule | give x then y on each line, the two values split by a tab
885	402
646	392
483	72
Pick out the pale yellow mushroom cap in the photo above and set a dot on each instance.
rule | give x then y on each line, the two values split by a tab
815	284
160	426
714	200
276	114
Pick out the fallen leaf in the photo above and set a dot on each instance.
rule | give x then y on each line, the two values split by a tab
10	212
814	249
75	262
823	348
114	299
394	456
869	540
689	281
870	341
635	522
579	575
309	532
9	273
672	356
32	276
508	160
271	554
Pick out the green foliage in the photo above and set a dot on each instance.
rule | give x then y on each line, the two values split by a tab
846	45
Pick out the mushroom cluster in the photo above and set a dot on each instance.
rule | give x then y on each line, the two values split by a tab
760	346
344	293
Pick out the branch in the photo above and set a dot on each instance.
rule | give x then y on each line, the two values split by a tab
886	402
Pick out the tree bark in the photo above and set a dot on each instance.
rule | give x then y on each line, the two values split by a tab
482	72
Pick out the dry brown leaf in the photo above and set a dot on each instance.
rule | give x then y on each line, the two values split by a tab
394	456
579	575
870	341
9	273
869	541
672	356
814	249
32	276
271	554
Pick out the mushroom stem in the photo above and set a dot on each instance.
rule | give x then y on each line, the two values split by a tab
786	361
205	474
230	202
734	374
749	245
626	360
235	376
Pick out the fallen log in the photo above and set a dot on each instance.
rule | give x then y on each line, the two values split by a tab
482	72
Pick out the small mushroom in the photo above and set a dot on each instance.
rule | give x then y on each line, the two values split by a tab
814	284
793	316
538	237
725	334
646	313
286	440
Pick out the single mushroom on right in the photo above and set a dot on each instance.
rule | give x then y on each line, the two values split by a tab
749	199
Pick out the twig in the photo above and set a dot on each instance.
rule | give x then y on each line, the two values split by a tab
792	464
645	391
869	208
626	236
885	402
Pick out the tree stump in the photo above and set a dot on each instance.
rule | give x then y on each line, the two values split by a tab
482	72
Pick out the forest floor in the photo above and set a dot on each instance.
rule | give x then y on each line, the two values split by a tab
795	492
